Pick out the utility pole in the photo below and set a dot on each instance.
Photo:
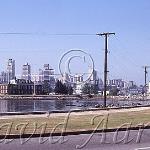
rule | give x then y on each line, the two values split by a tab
145	77
105	63
34	91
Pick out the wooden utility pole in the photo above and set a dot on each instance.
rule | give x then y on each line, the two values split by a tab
105	62
145	77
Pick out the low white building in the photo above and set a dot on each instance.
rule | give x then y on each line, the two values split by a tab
78	88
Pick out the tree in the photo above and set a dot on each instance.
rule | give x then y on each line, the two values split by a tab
58	87
70	90
90	89
114	92
86	89
94	89
61	88
46	87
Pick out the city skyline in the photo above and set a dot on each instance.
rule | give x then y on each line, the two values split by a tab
47	73
46	81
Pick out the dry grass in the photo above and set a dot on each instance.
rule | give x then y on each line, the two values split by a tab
75	122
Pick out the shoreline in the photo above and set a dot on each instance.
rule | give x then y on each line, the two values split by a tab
68	97
49	97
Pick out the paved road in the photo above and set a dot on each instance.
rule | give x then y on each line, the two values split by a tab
73	142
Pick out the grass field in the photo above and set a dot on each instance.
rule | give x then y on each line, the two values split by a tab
69	122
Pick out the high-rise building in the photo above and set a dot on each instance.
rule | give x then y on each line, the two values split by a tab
3	77
10	70
47	75
46	72
40	75
26	72
93	77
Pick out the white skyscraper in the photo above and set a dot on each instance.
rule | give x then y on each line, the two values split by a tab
3	77
10	70
26	72
47	75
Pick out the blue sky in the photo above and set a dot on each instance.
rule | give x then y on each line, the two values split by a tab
129	48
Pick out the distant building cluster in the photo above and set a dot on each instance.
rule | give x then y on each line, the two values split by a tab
45	81
124	88
27	83
78	81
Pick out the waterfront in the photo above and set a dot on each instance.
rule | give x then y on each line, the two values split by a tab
63	105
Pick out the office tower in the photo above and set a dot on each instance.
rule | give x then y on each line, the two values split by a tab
3	77
48	73
10	70
26	72
40	75
93	76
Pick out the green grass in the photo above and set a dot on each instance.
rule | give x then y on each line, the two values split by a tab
75	122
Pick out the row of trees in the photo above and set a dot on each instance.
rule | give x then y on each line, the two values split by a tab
93	89
61	88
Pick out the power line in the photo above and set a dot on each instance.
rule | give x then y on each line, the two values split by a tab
47	34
